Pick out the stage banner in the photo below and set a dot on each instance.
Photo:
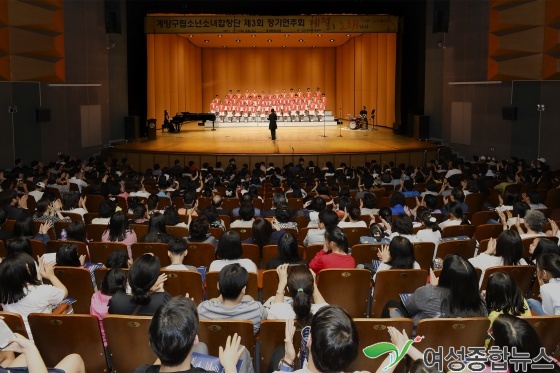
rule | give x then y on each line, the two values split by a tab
223	24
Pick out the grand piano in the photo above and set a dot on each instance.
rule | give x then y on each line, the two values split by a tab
185	116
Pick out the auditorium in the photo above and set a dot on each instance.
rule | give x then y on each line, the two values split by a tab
264	185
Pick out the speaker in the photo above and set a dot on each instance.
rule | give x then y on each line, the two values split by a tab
112	17
509	113
42	115
131	130
421	127
441	16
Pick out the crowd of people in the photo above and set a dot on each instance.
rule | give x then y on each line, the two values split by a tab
290	106
333	199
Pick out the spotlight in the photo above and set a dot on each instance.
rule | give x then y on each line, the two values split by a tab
238	40
347	34
301	40
206	41
190	36
332	40
219	36
286	35
283	46
320	35
253	35
269	40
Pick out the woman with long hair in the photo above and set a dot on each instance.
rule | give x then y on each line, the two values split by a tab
265	233
23	227
503	296
21	290
334	253
304	297
548	275
156	231
48	211
399	254
288	252
146	284
455	216
118	231
507	250
230	250
454	294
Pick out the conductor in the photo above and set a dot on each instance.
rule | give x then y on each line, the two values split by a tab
272	117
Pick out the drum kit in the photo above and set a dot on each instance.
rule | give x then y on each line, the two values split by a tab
356	123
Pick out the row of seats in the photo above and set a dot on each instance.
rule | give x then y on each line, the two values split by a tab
128	345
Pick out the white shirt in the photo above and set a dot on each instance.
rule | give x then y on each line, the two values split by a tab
38	299
428	235
550	294
366	211
36	194
241	224
180	267
285	310
453	171
217	265
485	261
352	224
139	194
449	223
78	182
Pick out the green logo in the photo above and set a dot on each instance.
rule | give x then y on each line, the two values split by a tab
381	348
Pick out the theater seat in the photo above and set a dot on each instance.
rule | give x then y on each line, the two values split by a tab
99	251
215	332
158	249
463	248
200	254
14	322
128	341
183	282
523	276
79	284
57	336
389	284
547	327
271	335
348	288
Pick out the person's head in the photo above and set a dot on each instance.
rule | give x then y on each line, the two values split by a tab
23	227
283	213
17	272
354	213
232	281
429	221
42	206
288	248
548	267
520	209
431	201
3	217
333	340
156	225
377	232
70	201
107	208
458	195
139	211
504	295
301	285
177	247
402	253
386	214
143	274
171	216
455	211
509	247
369	200
534	197
229	246
153	202
19	245
117	259
541	246
327	218
76	231
118	226
402	224
114	280
173	331
344	203
514	332
246	211
67	255
336	240
318	204
198	229
262	231
535	220
397	198
459	276
278	198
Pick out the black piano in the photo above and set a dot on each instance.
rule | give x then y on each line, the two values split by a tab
178	120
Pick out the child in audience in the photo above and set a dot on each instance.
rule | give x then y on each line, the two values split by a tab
548	275
177	251
334	253
114	280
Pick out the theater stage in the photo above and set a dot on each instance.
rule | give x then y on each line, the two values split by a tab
252	144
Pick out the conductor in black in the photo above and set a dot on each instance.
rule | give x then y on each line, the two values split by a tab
272	117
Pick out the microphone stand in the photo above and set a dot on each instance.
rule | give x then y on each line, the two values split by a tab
324	126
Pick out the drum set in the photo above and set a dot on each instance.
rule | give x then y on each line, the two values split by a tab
356	123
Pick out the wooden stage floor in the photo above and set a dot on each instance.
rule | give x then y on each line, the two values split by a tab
194	139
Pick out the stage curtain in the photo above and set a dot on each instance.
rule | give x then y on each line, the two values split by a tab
366	68
174	75
268	69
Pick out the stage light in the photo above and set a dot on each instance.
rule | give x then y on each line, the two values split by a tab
254	46
238	40
320	35
347	34
286	35
283	46
206	41
332	40
190	36
219	36
269	40
253	35
301	40
313	47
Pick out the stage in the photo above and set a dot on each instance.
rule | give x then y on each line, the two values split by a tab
252	144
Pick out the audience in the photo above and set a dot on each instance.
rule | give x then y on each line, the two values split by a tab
334	253
177	251
118	231
288	252
230	250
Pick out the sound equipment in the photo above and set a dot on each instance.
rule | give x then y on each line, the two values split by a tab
42	115
509	113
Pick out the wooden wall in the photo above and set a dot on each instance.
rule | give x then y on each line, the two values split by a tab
174	75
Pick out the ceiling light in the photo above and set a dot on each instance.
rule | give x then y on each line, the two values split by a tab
320	35
206	41
219	36
301	40
283	46
253	35
286	35
238	40
269	40
347	34
190	36
332	40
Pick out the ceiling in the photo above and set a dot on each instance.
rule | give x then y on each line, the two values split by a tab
298	40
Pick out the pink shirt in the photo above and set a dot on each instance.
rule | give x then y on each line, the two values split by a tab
129	239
